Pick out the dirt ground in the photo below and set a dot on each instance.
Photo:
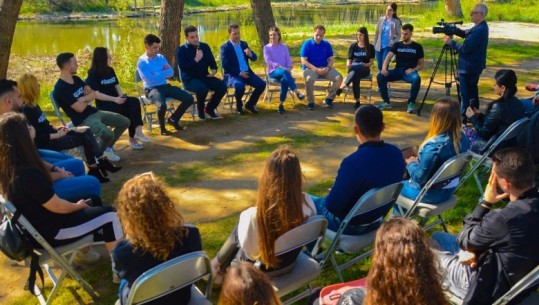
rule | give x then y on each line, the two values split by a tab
234	190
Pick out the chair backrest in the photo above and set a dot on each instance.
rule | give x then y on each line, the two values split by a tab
56	108
530	280
449	172
311	230
170	276
510	133
374	204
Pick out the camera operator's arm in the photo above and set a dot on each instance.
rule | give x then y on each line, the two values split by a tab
387	60
474	38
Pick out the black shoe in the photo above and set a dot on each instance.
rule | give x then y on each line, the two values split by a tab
105	165
174	124
338	92
212	114
329	103
165	132
356	105
281	109
300	96
96	172
251	108
240	112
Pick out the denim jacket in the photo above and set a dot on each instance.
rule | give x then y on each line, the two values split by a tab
432	155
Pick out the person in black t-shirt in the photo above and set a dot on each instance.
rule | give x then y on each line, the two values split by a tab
74	97
103	79
29	186
409	57
360	60
62	138
155	233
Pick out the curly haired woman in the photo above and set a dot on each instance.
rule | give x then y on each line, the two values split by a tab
154	232
404	268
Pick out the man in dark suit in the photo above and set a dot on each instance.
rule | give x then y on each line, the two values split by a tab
235	56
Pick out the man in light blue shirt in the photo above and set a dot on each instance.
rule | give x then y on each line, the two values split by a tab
235	56
154	70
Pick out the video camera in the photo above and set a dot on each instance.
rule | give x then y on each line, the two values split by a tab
448	28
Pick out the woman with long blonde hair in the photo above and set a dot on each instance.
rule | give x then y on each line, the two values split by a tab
404	268
280	207
246	285
154	233
443	141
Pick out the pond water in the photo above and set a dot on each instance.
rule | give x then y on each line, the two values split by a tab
50	38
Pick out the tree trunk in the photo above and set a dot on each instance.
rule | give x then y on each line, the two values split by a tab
453	8
9	11
263	17
170	25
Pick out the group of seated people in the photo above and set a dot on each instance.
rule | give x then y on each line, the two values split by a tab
147	229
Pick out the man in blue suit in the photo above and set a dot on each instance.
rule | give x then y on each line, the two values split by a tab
235	56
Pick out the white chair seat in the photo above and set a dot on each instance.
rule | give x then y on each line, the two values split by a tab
427	210
306	269
45	256
352	243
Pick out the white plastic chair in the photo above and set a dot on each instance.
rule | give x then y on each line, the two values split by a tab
145	103
448	173
171	276
479	160
62	257
273	85
306	269
366	79
373	205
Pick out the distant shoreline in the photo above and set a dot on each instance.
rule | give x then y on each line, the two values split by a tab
187	11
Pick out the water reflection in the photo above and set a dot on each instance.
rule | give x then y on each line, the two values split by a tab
38	38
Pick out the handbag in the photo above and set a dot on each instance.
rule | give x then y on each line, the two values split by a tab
330	295
13	243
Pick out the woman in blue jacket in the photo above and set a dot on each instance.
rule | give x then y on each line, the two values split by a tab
443	141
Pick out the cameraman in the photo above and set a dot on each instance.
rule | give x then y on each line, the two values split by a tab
472	57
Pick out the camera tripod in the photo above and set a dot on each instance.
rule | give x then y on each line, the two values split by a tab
448	55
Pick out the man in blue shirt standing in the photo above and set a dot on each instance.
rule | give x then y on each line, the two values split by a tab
317	62
374	164
235	56
154	70
472	58
195	58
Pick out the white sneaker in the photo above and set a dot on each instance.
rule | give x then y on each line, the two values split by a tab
109	153
136	145
115	278
89	257
142	138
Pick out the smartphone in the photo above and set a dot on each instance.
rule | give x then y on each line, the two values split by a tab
89	201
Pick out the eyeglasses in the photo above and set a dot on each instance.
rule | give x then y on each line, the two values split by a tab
473	13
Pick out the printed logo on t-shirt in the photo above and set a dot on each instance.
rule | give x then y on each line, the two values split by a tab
407	50
42	118
109	81
360	54
78	93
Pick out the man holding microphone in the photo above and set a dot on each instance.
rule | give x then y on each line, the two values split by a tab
472	57
195	58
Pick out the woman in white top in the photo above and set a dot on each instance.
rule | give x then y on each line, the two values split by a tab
281	206
388	31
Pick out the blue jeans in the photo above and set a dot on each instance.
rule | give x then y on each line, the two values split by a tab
159	94
334	222
411	191
238	83
286	79
469	94
398	74
201	87
447	242
52	156
380	56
